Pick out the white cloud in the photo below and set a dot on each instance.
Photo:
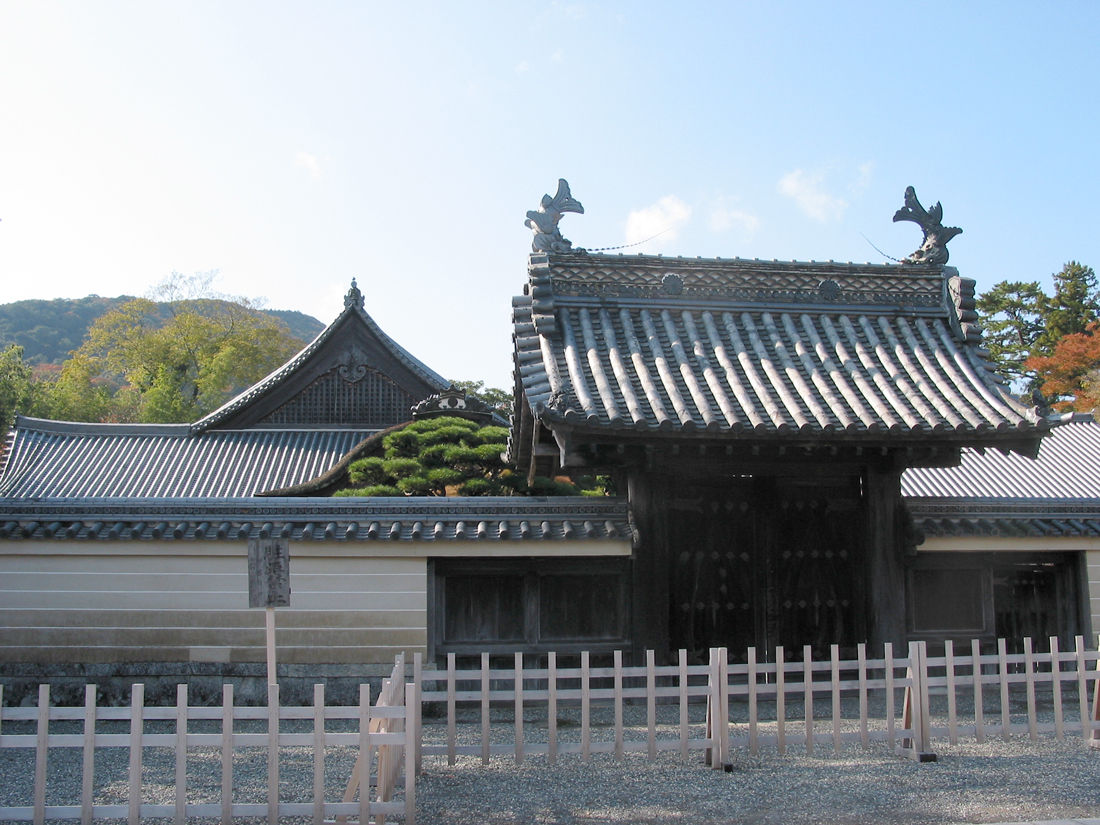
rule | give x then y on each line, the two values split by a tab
863	178
723	219
807	191
522	67
663	219
309	163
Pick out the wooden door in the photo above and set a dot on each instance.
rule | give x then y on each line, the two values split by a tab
765	562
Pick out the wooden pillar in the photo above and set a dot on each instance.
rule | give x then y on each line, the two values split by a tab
648	493
886	596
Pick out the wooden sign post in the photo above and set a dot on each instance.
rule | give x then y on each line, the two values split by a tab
269	586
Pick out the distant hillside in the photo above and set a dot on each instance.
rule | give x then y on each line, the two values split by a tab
49	330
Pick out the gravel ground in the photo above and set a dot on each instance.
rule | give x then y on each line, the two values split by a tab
995	781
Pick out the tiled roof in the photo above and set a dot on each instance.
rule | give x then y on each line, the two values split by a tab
485	519
51	459
652	346
1068	466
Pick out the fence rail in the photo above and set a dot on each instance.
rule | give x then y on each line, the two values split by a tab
902	701
383	735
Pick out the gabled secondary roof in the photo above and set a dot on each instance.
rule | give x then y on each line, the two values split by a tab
353	347
992	493
652	347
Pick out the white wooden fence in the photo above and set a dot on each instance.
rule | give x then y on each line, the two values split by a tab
901	701
383	734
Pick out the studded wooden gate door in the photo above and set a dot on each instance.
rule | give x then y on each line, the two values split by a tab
766	562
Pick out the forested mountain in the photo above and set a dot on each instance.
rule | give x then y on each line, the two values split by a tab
49	329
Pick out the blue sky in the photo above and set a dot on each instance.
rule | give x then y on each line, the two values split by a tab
293	146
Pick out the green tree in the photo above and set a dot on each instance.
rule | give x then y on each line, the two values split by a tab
173	362
500	400
1072	308
17	388
1012	315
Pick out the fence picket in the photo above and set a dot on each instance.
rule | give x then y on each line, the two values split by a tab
651	705
979	693
586	732
451	722
780	701
888	665
364	760
87	766
834	671
1094	739
418	672
412	734
551	705
41	750
1002	670
808	696
861	658
1056	688
518	687
137	730
754	745
1029	678
683	674
318	754
485	712
949	665
227	754
618	664
181	755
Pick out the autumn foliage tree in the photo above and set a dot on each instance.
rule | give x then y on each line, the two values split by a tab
1070	373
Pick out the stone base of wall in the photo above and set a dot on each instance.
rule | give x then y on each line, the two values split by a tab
204	682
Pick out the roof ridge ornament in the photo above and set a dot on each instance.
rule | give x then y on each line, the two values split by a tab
544	221
354	296
936	235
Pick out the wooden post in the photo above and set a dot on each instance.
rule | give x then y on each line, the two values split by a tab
137	730
418	681
888	675
1094	738
885	569
273	754
269	635
362	764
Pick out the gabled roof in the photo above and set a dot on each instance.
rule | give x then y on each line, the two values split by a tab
352	346
991	493
60	459
642	346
